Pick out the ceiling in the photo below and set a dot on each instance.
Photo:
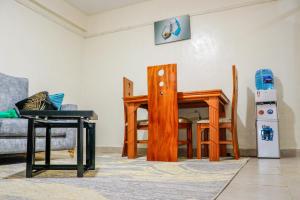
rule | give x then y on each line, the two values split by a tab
91	7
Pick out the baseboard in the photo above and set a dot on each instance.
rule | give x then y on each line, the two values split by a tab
284	153
290	153
243	152
109	150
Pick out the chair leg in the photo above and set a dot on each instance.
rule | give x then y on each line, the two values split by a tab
206	138
222	137
124	151
199	138
189	141
235	144
223	150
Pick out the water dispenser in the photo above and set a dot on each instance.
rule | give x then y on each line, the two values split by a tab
266	115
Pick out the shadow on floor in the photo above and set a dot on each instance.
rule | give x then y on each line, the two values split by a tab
12	159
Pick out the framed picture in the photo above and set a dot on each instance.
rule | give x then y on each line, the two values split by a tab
172	30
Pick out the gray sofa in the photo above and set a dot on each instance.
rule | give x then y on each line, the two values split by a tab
13	132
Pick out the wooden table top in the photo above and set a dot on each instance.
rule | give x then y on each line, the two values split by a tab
185	99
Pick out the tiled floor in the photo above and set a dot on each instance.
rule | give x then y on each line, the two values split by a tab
266	179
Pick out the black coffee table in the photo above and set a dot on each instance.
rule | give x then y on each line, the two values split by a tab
79	119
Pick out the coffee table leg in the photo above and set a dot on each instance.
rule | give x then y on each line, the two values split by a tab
48	145
80	167
30	148
92	145
88	146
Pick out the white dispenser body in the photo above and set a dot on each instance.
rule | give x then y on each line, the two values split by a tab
267	124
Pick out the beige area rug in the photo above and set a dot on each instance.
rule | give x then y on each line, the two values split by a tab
119	178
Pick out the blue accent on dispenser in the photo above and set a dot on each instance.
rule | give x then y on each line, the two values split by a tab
267	133
264	79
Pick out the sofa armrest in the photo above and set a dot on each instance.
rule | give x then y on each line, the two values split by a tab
69	107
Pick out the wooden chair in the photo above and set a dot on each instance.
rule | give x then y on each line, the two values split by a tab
230	124
163	111
143	124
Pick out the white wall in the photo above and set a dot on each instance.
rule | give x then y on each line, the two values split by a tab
48	54
264	35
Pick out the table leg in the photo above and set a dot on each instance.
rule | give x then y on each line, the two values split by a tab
214	148
223	148
48	145
80	167
34	145
190	142
132	131
93	146
90	145
30	148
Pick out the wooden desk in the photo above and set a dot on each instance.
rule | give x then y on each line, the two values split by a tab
214	99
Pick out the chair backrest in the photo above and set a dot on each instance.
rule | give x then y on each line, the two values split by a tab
127	92
234	98
127	87
163	113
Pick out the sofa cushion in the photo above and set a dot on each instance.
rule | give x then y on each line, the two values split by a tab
12	90
69	107
18	128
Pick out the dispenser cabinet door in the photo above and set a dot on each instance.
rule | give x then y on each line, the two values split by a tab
267	139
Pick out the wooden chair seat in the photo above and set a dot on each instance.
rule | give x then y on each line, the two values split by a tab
221	125
221	120
143	122
181	120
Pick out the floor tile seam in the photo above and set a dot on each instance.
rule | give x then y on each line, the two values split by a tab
257	184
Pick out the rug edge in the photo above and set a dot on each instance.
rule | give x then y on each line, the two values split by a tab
229	181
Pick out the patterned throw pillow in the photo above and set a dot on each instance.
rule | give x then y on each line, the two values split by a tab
39	101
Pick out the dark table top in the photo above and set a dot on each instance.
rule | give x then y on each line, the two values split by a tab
60	114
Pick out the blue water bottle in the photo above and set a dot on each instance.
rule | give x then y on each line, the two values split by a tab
264	79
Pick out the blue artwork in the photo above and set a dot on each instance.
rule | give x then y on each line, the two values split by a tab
173	29
267	133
